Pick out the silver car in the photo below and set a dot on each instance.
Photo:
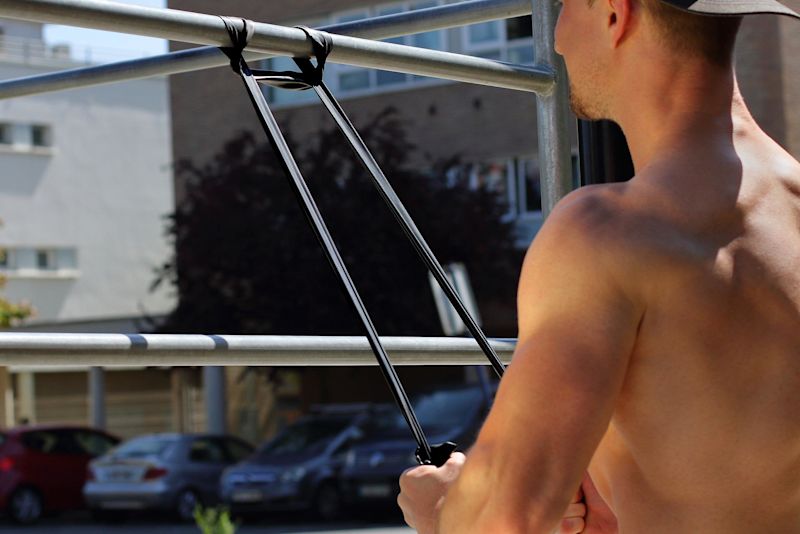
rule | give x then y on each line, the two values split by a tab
166	472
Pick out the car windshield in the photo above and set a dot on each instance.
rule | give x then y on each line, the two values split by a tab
305	437
157	446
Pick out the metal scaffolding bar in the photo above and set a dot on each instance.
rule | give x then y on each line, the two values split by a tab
109	350
555	161
269	40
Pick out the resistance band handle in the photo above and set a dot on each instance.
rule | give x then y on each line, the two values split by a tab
439	454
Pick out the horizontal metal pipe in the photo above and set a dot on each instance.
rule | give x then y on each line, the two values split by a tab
109	350
272	40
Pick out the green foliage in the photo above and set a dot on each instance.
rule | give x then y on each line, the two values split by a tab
214	520
247	261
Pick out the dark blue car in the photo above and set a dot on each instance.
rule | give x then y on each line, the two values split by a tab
373	465
299	468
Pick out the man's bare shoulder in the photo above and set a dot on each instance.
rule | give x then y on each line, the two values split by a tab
607	221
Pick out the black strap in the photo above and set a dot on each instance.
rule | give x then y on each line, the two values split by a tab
406	222
239	37
310	75
425	453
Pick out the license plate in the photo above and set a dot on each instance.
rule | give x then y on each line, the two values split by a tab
375	490
118	475
247	496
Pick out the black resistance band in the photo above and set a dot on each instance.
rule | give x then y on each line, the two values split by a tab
311	76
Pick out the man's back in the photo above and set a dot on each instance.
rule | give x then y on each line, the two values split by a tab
706	435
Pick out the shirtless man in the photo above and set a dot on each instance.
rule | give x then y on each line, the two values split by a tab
659	319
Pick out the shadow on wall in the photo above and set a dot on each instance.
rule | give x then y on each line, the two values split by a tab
22	174
46	295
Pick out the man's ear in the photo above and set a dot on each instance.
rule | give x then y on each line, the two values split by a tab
620	20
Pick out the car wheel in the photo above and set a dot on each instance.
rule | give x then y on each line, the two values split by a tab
328	502
185	505
25	506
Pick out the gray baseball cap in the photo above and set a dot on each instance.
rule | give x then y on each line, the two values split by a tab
734	7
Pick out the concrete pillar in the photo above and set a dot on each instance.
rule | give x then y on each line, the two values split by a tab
97	397
6	399
214	390
26	396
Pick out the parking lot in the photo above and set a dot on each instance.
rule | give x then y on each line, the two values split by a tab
81	524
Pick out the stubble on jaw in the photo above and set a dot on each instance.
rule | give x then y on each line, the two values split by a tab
581	108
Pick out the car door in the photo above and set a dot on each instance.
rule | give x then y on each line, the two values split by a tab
73	459
44	466
206	460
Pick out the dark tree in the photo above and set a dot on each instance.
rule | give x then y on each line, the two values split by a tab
247	260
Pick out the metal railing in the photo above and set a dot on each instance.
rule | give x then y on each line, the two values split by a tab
351	46
107	350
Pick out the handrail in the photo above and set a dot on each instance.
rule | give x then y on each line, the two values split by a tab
108	350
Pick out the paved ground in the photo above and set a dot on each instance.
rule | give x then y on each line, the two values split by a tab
79	524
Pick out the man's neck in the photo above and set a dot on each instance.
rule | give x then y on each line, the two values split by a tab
673	107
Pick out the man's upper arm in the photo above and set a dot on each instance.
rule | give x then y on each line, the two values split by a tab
577	327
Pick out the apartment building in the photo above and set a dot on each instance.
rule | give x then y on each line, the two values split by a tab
86	182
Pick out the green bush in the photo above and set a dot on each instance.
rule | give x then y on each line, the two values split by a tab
214	520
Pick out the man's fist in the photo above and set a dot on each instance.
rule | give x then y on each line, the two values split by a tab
600	519
422	491
574	520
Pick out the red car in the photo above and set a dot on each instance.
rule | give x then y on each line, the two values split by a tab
43	468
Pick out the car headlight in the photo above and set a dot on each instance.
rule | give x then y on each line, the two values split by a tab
293	475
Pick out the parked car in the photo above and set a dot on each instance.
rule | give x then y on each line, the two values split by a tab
374	465
166	472
299	468
43	468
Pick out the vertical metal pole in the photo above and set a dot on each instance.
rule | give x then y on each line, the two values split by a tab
555	165
214	388
97	397
26	395
6	398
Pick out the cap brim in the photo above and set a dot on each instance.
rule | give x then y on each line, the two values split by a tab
734	7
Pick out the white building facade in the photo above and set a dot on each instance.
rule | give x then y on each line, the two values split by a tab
85	186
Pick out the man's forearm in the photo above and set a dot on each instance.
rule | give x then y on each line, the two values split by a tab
483	500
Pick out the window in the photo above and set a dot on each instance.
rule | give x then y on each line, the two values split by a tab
6	137
45	260
25	137
41	441
41	259
514	180
529	194
237	450
93	443
206	451
142	447
508	40
40	135
352	78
